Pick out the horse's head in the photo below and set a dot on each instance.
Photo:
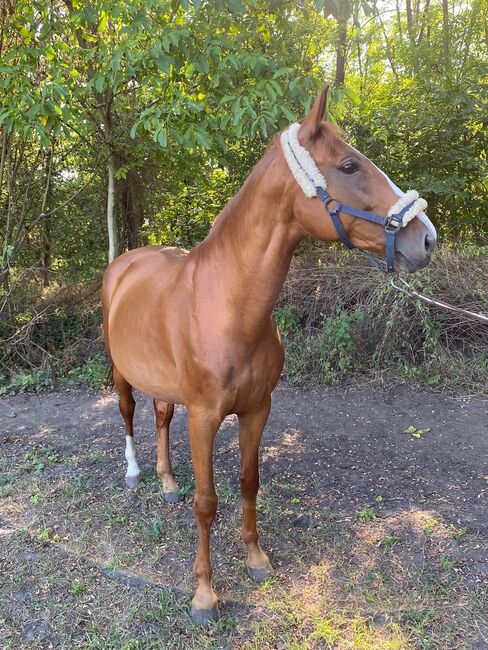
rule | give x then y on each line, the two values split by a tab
354	180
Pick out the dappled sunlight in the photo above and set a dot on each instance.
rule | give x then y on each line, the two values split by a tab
105	399
292	437
342	581
44	431
313	606
229	421
354	520
289	442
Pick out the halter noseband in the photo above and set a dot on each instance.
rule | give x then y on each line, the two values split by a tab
311	180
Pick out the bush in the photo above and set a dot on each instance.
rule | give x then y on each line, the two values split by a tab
23	381
337	315
95	372
351	320
52	338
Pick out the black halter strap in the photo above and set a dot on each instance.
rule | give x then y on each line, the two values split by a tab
391	224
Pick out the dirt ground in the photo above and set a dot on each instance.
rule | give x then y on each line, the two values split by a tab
379	539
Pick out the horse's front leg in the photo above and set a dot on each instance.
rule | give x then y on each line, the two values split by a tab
251	426
203	426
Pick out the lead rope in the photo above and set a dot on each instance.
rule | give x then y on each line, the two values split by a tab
409	291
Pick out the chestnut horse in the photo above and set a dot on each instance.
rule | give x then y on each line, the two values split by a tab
196	328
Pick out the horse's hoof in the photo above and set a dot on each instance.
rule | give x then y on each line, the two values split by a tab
171	497
204	617
132	482
259	575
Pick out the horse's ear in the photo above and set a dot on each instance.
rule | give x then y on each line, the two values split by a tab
318	112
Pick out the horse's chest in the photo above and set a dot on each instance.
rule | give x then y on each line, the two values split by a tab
249	375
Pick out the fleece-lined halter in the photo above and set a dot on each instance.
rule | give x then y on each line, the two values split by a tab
311	180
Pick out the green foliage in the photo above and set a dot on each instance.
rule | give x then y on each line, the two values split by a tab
37	460
416	433
367	514
326	355
338	338
185	97
389	542
287	320
430	527
23	381
95	372
155	530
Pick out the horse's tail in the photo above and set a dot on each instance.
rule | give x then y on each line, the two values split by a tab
109	382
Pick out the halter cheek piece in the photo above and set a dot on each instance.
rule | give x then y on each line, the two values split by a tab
311	180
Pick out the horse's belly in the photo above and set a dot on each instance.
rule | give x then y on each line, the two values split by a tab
141	351
151	379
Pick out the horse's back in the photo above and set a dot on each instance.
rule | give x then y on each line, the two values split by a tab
136	264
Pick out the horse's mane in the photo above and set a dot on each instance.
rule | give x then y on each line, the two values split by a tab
328	134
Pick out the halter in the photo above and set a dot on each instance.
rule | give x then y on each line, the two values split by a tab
311	180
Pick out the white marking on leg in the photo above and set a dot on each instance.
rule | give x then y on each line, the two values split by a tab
130	454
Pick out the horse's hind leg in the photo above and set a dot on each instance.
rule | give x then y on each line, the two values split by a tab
163	413
127	406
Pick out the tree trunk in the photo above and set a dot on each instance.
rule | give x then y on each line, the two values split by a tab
131	206
399	20
46	222
111	218
113	238
425	17
3	158
410	22
340	74
445	32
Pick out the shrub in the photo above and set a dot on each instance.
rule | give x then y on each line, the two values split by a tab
22	381
95	372
352	320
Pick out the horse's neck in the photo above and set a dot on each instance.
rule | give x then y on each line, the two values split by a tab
249	250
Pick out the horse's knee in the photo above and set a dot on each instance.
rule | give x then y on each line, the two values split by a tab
205	508
164	413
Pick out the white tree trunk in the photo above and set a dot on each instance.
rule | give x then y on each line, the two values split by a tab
111	223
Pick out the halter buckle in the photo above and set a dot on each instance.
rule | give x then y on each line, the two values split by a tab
394	223
324	196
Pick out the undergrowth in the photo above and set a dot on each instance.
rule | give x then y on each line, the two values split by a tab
336	315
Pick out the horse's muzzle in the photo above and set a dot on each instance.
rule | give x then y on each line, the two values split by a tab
414	247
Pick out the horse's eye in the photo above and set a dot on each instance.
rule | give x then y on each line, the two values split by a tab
349	167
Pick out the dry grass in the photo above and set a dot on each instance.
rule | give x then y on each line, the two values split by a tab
384	330
337	314
90	568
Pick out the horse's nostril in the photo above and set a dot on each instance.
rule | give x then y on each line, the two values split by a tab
429	244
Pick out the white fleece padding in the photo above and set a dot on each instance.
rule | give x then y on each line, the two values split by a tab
309	177
301	163
418	206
